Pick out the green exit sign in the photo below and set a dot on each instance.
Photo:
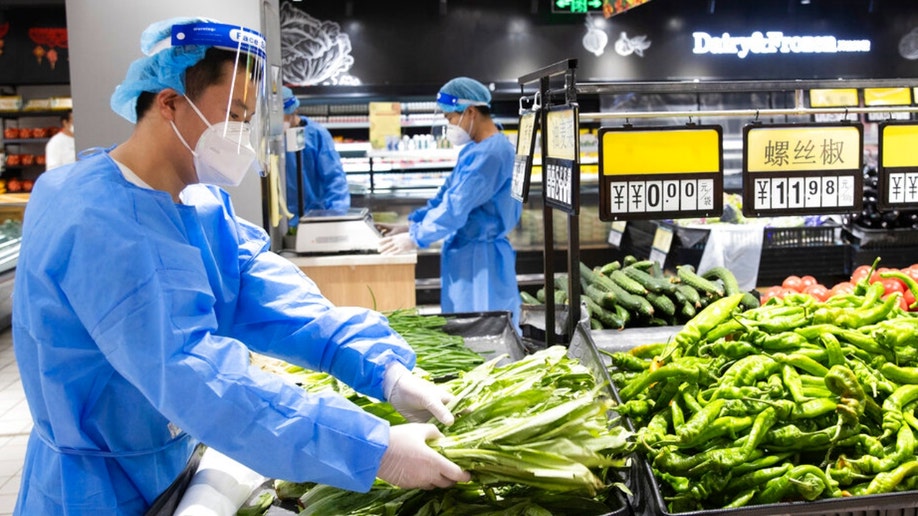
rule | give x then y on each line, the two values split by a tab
575	6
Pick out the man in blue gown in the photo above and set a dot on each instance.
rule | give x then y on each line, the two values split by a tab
139	295
473	211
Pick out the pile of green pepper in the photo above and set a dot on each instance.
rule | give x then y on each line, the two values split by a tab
793	400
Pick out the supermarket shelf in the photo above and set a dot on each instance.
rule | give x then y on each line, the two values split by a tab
14	199
25	140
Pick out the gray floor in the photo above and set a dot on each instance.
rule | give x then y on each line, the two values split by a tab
15	424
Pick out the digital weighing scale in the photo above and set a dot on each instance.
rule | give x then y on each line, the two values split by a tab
327	231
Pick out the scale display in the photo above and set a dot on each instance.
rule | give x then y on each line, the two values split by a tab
651	173
897	181
560	166
802	169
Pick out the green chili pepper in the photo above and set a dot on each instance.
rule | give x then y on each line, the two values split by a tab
793	383
802	362
698	327
647	351
892	407
784	341
868	315
699	421
780	488
858	339
905	448
627	361
732	349
885	482
741	499
748	370
678	369
760	463
833	349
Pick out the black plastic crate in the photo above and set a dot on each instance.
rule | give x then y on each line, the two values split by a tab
882	238
801	236
829	263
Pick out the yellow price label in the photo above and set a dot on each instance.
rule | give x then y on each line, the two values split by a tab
669	151
782	149
887	96
663	239
833	97
898	148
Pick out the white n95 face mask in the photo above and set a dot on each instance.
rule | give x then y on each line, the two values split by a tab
456	135
223	154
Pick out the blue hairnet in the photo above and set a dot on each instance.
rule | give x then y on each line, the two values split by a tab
157	71
290	101
462	92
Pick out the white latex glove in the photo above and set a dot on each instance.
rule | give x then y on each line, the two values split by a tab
415	398
401	243
391	229
410	463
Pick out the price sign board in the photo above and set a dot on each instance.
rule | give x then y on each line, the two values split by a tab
898	166
654	173
874	97
804	169
560	166
522	163
832	97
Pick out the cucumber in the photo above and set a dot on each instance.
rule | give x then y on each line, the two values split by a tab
609	267
636	304
610	319
528	299
623	312
624	281
595	324
687	311
662	304
726	277
628	260
694	280
749	301
560	297
690	294
540	295
600	297
656	285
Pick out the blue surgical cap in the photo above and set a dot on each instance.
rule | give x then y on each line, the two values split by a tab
290	101
161	68
462	92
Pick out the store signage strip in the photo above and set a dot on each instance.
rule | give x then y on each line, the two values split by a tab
661	172
897	180
803	169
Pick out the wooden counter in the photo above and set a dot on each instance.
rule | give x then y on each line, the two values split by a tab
369	280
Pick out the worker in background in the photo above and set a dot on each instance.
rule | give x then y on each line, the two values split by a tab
324	182
472	212
140	294
61	148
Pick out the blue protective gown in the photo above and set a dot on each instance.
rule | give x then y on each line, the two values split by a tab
324	180
475	212
133	318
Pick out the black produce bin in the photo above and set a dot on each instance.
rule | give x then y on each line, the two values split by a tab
897	248
487	333
648	496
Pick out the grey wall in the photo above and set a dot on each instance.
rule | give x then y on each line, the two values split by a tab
104	38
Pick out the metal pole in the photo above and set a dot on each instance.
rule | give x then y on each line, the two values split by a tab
754	113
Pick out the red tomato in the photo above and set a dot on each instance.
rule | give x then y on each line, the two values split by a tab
808	281
859	273
909	297
902	303
818	291
771	292
912	272
845	287
891	285
793	282
875	277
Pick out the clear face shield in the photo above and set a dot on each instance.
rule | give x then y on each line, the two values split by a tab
443	129
238	143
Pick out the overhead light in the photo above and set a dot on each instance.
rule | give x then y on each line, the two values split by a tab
804	2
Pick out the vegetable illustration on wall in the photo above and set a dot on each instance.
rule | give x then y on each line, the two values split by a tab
314	51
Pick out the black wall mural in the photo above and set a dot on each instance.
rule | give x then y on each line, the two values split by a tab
423	43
